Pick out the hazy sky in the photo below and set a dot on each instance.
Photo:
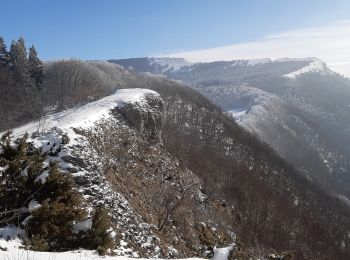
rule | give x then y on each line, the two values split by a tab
330	42
102	29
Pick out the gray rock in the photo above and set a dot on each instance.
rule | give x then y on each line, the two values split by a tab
145	117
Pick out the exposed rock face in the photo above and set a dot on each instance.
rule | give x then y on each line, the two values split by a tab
146	117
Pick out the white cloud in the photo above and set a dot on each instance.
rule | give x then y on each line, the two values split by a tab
330	42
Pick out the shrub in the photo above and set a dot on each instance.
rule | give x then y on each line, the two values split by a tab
61	207
98	237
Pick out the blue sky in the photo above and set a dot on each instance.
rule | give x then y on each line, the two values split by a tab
102	29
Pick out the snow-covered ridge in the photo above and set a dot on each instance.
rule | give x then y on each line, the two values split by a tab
315	66
86	115
286	59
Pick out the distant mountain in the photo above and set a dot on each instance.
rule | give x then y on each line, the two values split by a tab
153	65
298	106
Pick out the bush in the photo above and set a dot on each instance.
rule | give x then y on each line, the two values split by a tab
22	164
61	207
98	237
61	204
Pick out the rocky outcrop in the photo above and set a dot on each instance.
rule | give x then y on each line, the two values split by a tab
146	116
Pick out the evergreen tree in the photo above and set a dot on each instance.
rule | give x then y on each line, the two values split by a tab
50	227
4	56
19	61
36	67
98	237
17	183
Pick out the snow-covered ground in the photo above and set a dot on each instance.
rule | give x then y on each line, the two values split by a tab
315	66
85	116
237	113
12	250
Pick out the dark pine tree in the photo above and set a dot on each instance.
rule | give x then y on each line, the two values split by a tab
36	67
4	56
19	61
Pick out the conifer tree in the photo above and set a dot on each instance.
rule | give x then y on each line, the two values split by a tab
98	237
61	206
3	54
36	67
19	61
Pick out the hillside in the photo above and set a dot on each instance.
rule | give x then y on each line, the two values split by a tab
120	167
298	106
179	172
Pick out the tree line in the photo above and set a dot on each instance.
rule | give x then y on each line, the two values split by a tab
29	87
21	77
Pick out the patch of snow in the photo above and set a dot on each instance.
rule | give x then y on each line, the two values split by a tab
237	113
10	232
222	253
42	177
33	204
24	173
82	226
3	169
113	234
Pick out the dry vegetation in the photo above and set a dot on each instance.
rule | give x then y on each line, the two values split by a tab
166	195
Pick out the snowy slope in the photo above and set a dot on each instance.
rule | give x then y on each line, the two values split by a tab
136	236
51	131
85	116
316	65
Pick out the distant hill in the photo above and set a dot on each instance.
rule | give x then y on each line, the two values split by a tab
298	106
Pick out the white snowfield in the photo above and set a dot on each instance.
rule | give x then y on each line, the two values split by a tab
85	116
